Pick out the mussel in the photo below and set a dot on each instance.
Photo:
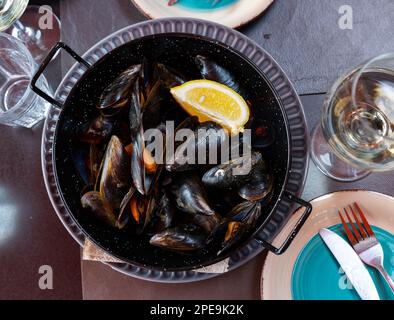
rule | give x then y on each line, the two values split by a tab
246	212
258	188
211	70
190	197
154	106
124	210
234	173
96	131
115	175
117	94
163	215
239	221
144	171
181	239
94	202
203	144
96	153
138	208
168	76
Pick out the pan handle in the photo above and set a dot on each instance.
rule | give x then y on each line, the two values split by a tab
296	229
43	66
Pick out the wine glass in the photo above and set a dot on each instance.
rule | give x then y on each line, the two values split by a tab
356	133
19	105
36	26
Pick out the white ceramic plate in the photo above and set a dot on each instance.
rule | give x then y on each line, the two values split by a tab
276	275
233	15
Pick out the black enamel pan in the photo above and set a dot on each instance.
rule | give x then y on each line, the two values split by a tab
178	51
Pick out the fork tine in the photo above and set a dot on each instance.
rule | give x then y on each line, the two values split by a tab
355	231
366	224
358	223
348	232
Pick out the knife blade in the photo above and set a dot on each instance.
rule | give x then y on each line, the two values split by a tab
351	264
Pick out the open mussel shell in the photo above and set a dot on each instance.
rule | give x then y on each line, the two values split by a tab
94	202
235	231
211	70
139	206
234	173
144	170
180	239
135	107
144	173
238	222
202	145
96	154
258	188
117	94
124	211
154	106
163	214
115	175
246	212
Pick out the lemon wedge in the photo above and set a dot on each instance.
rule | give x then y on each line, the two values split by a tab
213	101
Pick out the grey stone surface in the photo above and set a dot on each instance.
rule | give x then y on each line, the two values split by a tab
302	35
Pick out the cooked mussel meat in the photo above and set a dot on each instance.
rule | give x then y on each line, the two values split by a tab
239	221
144	170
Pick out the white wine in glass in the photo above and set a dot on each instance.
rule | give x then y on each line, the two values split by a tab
10	11
356	134
23	22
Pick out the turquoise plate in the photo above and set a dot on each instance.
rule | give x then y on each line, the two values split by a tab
317	275
204	4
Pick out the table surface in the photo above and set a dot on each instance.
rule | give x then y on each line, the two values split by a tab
32	236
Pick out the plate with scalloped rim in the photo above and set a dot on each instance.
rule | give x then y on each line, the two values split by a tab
231	13
297	274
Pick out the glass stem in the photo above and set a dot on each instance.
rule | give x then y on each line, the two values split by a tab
25	34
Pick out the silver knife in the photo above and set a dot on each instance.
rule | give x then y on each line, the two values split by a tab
351	264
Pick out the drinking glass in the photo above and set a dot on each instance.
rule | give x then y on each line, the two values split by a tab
36	26
356	133
19	105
